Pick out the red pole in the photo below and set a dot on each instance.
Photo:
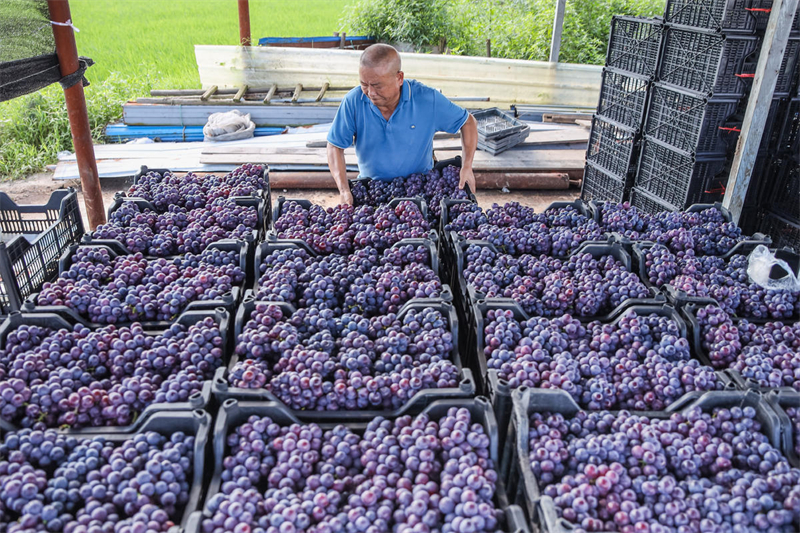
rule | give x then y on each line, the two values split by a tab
67	53
244	23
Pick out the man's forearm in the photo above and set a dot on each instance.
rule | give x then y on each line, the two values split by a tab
338	168
469	141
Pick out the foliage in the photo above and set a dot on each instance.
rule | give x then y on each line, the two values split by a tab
518	29
419	22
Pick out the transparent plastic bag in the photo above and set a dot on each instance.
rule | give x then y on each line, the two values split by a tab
766	270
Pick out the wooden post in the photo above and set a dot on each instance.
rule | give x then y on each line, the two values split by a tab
755	117
558	25
488	48
244	23
75	100
342	39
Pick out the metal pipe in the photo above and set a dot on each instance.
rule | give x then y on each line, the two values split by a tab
67	53
244	23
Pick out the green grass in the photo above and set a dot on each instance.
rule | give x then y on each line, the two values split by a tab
157	37
137	45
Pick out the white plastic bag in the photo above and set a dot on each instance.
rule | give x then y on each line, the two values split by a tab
760	269
228	126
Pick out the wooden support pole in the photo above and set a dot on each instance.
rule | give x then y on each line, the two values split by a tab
211	90
558	25
342	39
75	100
322	91
488	48
240	93
270	93
297	90
755	117
244	23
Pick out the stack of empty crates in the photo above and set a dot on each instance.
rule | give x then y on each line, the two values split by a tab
773	200
630	69
695	102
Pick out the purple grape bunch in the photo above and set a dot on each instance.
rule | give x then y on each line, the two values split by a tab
547	286
693	471
768	354
313	360
178	231
53	483
433	187
725	281
404	475
192	191
131	288
517	230
106	377
343	229
367	281
640	362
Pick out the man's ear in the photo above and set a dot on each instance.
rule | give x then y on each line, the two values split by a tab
400	77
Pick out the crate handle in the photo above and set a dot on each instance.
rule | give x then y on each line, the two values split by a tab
759	9
753	75
737	130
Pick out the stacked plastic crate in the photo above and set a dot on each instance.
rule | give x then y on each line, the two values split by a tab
694	109
773	201
631	63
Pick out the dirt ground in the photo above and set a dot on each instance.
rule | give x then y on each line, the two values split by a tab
36	190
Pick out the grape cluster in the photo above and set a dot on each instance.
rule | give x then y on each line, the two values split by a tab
704	232
178	230
49	482
727	282
367	282
129	287
547	286
769	354
314	360
105	377
191	191
516	229
405	475
433	186
641	362
694	471
342	229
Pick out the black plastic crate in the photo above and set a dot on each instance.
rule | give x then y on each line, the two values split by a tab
32	238
787	137
779	401
465	389
266	193
785	199
705	61
762	9
679	179
634	44
688	121
611	146
622	97
446	251
729	16
227	301
785	232
523	487
199	400
601	186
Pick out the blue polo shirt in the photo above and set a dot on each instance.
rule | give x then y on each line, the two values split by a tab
403	144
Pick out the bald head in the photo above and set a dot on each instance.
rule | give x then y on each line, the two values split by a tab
381	57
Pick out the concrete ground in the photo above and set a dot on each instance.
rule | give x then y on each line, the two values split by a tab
36	189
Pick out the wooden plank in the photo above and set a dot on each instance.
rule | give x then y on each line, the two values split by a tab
504	81
211	90
240	93
755	117
517	160
297	90
271	93
565	118
322	91
265	150
272	159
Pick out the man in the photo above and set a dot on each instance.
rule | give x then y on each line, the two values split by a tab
393	121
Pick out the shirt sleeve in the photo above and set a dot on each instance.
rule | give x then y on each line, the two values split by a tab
343	127
448	116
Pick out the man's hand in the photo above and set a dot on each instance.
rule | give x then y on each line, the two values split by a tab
346	198
467	176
